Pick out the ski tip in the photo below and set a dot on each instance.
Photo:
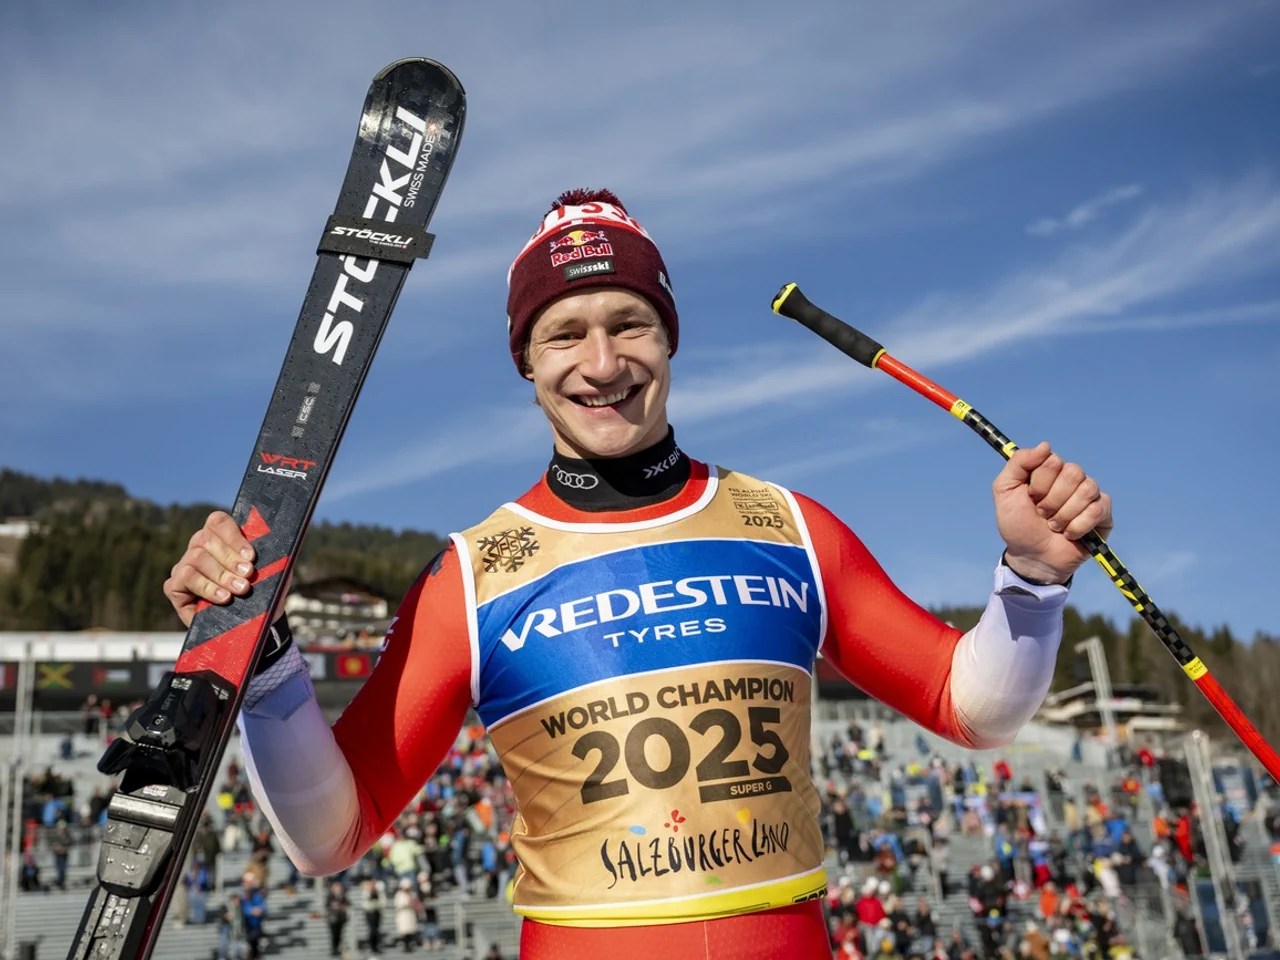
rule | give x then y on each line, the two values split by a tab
450	76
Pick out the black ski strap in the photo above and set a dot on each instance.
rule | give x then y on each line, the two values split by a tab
380	239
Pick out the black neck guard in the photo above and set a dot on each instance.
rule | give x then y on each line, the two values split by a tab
637	480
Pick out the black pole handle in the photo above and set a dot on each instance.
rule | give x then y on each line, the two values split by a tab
791	303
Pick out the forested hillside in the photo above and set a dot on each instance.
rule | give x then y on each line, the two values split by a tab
99	556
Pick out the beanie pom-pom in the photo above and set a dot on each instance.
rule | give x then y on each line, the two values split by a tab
584	195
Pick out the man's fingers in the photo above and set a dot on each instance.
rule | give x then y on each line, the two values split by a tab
221	537
217	565
1064	480
211	569
1095	516
1041	483
199	575
1084	493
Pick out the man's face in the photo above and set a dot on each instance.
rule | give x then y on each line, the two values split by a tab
598	362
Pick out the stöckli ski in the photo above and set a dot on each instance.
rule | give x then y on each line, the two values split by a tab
405	145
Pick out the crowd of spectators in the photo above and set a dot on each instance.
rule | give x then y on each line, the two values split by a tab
1065	861
1062	863
455	836
58	818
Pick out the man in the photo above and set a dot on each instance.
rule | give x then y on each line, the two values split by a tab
60	847
373	901
206	844
405	856
231	943
337	908
1129	857
637	631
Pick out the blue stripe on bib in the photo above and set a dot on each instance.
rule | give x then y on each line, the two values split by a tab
646	608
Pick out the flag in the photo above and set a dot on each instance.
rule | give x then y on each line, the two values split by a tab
112	676
53	676
353	666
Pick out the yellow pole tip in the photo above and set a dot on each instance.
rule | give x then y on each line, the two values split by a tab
782	297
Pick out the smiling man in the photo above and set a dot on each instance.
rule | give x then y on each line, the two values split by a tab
638	631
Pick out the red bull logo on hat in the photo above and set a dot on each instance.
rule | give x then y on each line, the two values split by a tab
576	238
580	245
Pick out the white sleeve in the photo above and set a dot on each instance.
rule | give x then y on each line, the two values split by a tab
299	776
1002	668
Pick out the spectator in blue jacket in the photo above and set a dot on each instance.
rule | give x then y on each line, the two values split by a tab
253	910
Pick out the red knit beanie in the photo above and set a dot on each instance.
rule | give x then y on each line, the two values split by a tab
586	240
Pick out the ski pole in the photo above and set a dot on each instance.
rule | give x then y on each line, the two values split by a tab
790	302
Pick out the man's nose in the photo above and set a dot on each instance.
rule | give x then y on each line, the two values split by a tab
602	360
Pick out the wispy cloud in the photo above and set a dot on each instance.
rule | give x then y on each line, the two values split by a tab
176	171
710	163
1169	566
492	435
1263	311
218	185
1217	233
863	446
1086	212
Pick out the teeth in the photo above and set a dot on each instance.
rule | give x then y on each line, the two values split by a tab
603	401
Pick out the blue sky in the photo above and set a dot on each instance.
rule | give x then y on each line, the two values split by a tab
1066	213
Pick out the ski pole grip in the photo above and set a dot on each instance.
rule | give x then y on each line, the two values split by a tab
790	302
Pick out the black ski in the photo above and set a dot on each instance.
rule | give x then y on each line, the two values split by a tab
405	145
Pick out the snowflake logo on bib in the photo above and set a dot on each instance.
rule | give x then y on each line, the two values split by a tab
507	550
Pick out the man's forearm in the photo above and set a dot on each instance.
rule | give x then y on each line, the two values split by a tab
299	775
1002	668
